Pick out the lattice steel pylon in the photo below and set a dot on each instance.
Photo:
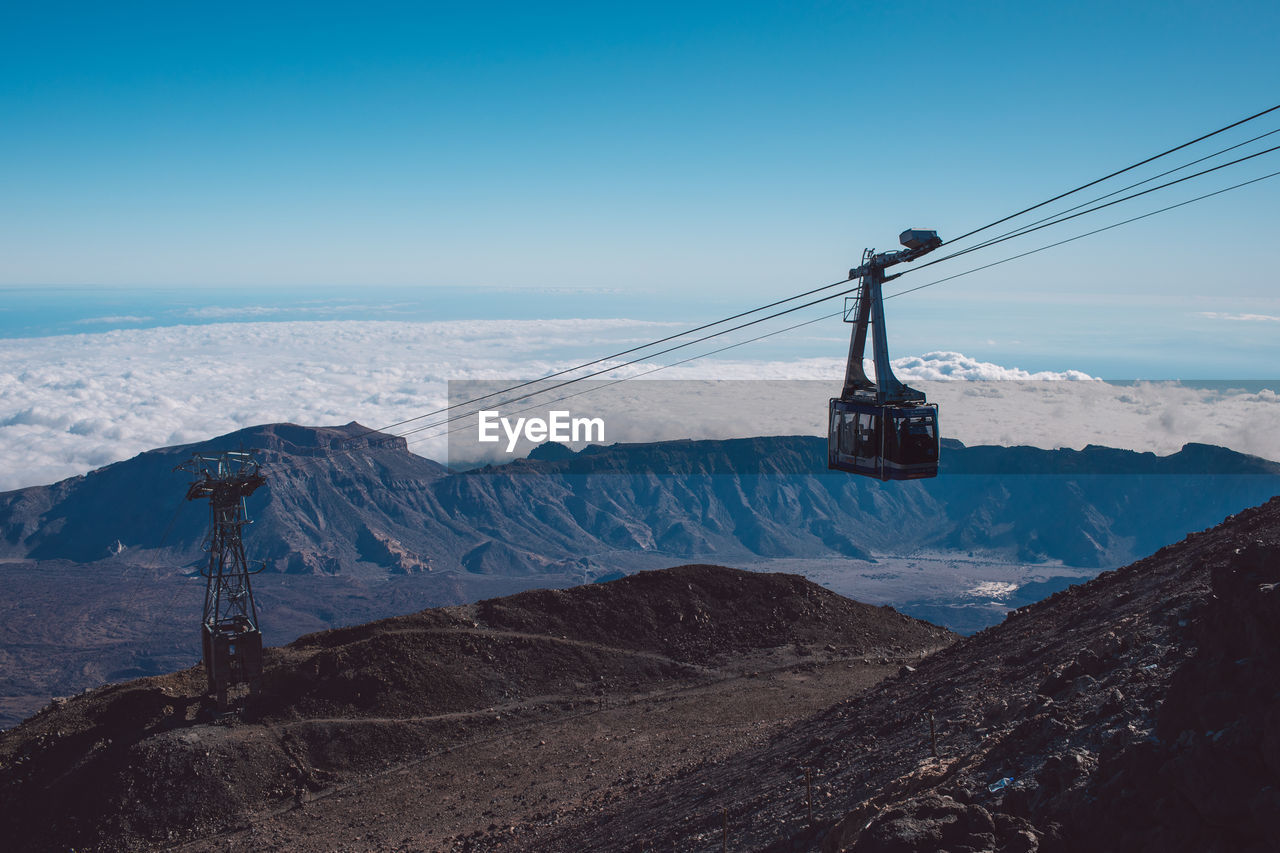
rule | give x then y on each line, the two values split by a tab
230	637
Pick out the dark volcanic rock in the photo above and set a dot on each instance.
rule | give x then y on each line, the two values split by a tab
1136	712
1209	779
147	762
933	823
670	611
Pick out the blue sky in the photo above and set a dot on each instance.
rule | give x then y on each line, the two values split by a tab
693	159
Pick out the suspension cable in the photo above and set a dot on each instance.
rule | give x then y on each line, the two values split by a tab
823	317
1114	174
1066	215
1009	235
660	367
1086	234
1022	228
1064	218
618	354
628	363
638	359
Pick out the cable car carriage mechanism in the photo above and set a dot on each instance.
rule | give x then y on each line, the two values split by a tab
881	428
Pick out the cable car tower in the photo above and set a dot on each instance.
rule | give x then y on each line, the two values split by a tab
230	638
881	428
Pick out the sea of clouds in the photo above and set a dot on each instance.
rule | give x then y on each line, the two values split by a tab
71	403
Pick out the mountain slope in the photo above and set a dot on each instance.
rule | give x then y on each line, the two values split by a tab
1134	712
123	509
670	710
139	764
341	500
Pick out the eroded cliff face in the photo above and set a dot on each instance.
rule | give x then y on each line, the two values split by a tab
343	499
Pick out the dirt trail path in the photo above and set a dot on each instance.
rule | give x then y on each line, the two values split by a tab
527	777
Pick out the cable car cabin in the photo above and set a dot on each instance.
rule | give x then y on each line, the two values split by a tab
881	427
891	441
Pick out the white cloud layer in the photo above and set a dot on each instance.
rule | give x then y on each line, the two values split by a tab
75	402
112	320
1247	318
782	399
72	403
310	311
953	365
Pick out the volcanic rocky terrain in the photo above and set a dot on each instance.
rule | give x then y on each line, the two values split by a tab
100	571
434	730
697	707
1136	712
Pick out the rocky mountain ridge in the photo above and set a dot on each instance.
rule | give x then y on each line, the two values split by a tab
345	499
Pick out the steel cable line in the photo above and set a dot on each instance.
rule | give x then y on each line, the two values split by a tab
705	326
828	316
605	358
352	451
838	313
1086	234
1114	174
535	393
833	284
604	370
1064	218
604	385
709	325
638	359
1022	228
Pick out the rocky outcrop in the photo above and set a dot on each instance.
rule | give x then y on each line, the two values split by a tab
1209	778
933	823
1136	712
